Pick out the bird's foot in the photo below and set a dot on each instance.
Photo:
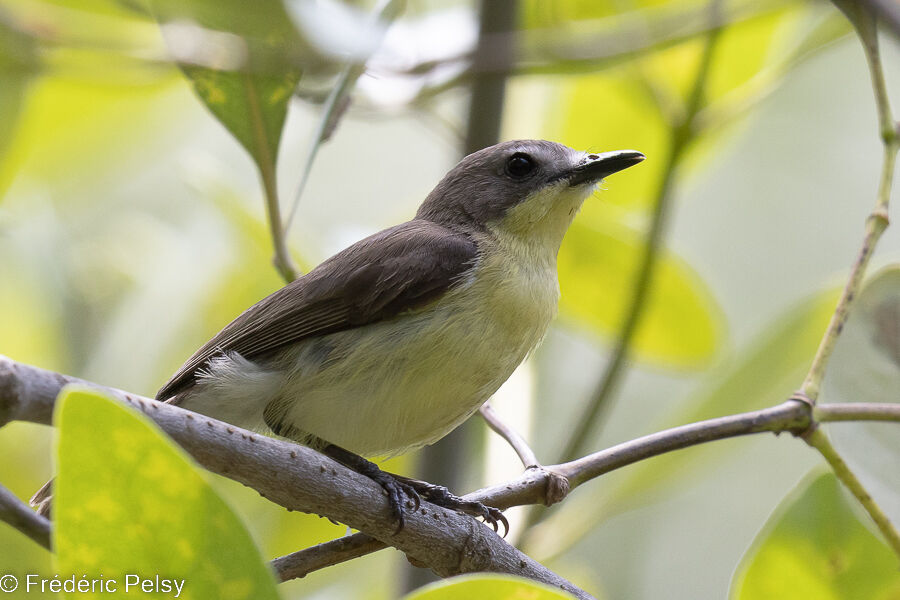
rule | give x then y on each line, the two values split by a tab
393	487
438	494
397	486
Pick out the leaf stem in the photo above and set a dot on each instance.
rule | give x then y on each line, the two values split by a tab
266	165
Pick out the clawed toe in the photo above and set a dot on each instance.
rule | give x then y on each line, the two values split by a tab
493	517
395	491
438	494
397	486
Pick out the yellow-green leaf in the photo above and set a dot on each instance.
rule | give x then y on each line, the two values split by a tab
681	325
130	502
250	99
815	547
488	587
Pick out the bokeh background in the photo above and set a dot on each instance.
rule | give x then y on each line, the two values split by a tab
132	228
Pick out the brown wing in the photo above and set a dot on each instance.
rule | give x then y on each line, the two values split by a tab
398	269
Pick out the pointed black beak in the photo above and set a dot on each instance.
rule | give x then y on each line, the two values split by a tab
597	166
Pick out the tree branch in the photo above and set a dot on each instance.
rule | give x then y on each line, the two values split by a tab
299	564
791	416
20	516
293	476
297	478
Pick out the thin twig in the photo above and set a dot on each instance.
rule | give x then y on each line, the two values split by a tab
819	440
512	437
300	564
877	221
682	134
335	104
17	514
858	411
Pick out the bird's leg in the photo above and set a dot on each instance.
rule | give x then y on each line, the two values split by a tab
397	485
438	494
394	487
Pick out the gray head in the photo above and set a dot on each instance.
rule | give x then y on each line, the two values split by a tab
526	187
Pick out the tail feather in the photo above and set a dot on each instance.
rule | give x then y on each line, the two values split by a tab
43	499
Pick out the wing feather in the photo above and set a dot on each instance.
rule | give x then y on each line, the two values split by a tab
399	269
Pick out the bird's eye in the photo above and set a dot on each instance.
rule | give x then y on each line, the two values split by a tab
520	165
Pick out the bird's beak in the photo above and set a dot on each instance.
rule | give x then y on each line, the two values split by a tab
597	166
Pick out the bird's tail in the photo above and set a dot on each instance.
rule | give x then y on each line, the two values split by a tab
42	499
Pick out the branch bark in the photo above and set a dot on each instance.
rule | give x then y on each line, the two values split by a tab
299	478
21	517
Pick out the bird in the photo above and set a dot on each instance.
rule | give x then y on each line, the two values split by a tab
392	343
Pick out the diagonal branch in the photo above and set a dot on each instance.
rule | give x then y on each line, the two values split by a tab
447	542
297	478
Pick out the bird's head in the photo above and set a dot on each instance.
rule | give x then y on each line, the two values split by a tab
527	189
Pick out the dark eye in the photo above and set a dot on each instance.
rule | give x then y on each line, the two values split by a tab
520	165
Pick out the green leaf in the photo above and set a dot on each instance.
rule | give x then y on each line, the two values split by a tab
129	501
681	325
815	547
488	587
251	101
251	106
865	367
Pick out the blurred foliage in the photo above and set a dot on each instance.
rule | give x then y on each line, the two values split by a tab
186	532
681	326
497	587
763	375
131	230
815	546
18	64
251	100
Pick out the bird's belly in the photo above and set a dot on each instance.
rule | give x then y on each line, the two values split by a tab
393	386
